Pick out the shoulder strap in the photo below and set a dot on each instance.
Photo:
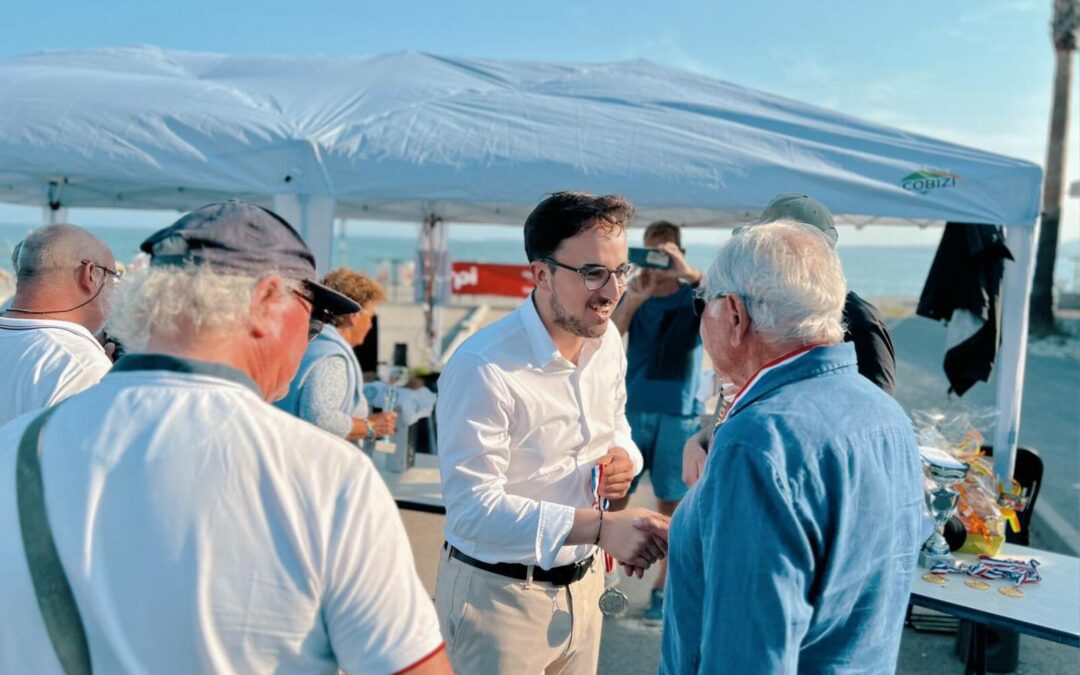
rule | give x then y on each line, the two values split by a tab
54	596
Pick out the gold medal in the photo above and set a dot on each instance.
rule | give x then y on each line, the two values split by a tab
978	584
934	578
1011	591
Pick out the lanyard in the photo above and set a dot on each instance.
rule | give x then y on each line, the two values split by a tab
601	505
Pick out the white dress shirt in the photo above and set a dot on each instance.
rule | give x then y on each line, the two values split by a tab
204	530
44	361
520	430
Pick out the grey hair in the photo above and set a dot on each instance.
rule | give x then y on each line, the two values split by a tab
52	248
167	300
788	276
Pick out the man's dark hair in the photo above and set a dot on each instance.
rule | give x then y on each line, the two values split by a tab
663	228
566	214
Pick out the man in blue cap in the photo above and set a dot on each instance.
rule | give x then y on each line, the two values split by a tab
196	527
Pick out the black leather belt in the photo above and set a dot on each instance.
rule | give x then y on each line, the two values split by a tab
557	576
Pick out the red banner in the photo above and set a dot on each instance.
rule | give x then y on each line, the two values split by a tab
472	278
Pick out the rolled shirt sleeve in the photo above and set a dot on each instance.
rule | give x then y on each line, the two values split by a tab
474	413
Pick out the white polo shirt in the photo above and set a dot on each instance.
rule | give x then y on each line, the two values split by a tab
520	430
203	530
44	361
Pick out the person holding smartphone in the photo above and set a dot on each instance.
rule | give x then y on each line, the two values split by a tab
663	369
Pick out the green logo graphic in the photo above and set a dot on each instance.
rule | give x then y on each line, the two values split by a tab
925	180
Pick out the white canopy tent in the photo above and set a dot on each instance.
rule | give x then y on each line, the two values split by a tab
427	139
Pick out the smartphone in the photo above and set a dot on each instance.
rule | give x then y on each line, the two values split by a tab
650	257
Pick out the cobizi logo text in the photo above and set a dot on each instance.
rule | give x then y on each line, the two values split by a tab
925	180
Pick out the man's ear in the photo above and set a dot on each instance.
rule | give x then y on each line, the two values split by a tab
85	278
738	319
266	305
541	274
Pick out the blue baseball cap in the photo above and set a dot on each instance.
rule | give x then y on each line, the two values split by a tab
237	237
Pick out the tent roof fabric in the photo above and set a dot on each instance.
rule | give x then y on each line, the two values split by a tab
399	136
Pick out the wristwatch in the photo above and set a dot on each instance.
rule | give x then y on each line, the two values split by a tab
370	428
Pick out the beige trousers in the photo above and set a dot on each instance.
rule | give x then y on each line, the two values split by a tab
494	624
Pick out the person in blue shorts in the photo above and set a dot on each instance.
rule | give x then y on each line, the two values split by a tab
662	373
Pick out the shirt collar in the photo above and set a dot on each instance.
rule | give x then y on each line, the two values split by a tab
543	347
801	364
176	364
11	323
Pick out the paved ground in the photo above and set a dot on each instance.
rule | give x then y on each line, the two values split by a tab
631	648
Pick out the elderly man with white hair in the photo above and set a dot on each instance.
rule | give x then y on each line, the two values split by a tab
795	550
48	344
191	526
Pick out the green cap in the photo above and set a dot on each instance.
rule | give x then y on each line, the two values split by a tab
800	208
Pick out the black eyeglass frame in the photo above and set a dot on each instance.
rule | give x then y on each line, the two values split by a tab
627	270
115	275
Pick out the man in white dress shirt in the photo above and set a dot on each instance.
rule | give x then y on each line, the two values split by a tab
532	434
48	349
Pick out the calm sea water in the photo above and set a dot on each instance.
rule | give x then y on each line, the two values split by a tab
871	270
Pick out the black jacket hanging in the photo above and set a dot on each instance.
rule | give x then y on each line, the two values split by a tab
966	276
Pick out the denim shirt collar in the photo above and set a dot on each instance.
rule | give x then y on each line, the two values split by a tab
817	361
176	364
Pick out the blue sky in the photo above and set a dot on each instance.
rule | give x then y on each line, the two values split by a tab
976	72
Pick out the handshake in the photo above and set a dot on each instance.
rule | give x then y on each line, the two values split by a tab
637	538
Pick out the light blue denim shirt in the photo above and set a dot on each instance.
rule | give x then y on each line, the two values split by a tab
794	552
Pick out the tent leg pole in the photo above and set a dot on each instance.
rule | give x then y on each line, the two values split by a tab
51	216
1012	355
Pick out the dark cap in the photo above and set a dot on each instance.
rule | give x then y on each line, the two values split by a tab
236	237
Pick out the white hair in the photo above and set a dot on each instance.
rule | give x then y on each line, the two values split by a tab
166	300
789	277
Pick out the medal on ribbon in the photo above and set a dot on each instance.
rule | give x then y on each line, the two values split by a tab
613	602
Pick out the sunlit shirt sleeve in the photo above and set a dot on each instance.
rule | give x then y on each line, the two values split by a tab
474	413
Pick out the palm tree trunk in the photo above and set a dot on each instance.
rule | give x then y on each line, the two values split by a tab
1041	319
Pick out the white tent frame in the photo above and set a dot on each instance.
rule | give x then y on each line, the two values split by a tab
312	201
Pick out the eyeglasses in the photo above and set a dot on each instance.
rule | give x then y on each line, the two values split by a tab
114	275
596	277
315	323
701	301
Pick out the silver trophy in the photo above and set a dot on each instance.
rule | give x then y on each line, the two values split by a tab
943	472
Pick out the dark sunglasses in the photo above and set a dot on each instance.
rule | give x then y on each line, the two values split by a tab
318	318
701	302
